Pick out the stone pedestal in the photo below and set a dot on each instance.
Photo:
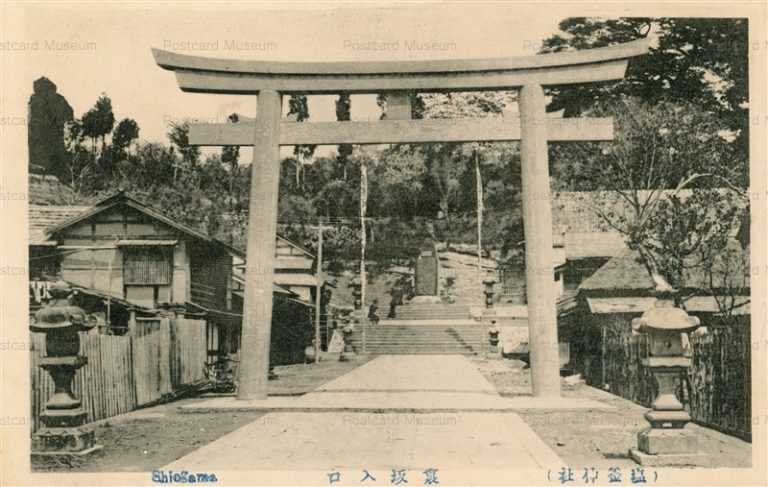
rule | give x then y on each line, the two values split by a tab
668	447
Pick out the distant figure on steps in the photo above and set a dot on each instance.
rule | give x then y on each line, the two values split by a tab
372	316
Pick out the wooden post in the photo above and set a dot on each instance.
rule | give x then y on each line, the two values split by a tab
132	323
363	210
479	195
537	222
318	293
262	230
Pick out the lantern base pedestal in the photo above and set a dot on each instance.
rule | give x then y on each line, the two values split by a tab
668	447
426	299
64	418
49	442
493	352
347	356
670	460
63	454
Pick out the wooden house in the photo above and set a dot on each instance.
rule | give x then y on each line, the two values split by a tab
124	251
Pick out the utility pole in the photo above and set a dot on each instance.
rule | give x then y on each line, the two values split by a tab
479	193
318	293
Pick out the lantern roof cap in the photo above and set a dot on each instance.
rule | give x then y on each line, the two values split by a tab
667	318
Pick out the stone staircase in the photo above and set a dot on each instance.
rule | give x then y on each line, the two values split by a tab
423	329
420	339
427	311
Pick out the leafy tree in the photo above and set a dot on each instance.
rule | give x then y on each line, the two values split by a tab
671	186
666	146
343	114
79	163
179	137
124	134
687	234
99	121
298	109
696	60
230	156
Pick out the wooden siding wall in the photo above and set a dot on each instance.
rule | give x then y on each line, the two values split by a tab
148	265
127	372
91	268
717	392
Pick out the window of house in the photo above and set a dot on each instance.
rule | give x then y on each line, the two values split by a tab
148	265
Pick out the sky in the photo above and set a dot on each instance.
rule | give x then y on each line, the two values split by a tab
92	49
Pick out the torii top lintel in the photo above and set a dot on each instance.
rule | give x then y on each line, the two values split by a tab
212	75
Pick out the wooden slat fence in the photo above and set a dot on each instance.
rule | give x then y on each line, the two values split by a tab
145	326
190	351
720	379
104	384
127	372
151	364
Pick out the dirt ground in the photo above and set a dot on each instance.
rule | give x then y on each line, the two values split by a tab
600	438
152	437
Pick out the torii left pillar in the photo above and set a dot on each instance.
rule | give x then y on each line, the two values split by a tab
259	267
537	222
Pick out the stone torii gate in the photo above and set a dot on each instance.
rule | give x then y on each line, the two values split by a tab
270	80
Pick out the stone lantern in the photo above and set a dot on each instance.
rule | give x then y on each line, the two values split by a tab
666	442
349	350
488	284
493	340
63	431
357	292
493	335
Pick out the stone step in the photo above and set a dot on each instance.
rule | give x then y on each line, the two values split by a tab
436	328
455	322
433	307
432	338
427	347
419	352
401	336
369	343
430	317
419	342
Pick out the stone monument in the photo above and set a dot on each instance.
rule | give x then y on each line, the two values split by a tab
426	276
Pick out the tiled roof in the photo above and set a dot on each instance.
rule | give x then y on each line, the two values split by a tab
624	272
45	189
627	272
42	217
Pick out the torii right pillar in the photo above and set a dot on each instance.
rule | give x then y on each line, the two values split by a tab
537	224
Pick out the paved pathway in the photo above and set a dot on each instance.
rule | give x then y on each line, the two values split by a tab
383	440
